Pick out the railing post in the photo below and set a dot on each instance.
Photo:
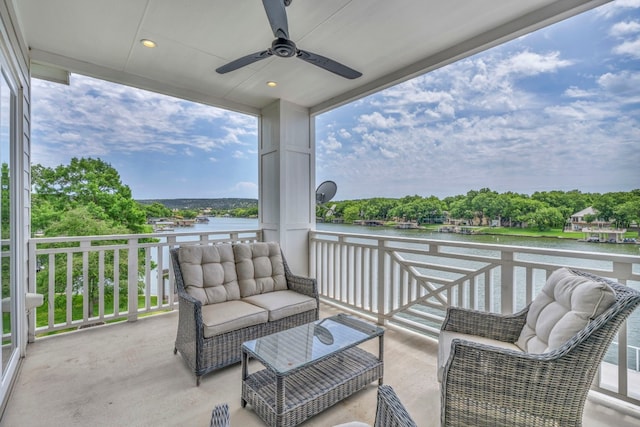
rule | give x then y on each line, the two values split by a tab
132	279
506	285
31	287
171	290
382	295
312	255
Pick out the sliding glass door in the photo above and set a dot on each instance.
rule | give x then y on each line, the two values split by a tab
9	321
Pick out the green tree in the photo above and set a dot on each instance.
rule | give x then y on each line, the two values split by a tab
546	218
351	213
485	205
85	198
156	210
590	218
627	213
87	182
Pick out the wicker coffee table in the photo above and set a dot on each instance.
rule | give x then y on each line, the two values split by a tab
309	368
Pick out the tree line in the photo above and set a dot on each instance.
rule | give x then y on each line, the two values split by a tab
542	209
87	197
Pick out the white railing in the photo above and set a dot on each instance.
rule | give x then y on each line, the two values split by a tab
406	282
411	282
87	280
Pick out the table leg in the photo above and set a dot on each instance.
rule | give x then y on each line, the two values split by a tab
280	396
381	354
245	370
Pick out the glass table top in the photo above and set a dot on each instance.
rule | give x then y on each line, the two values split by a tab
297	347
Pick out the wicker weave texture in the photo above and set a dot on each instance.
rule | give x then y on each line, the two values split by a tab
390	411
204	355
220	416
313	389
487	386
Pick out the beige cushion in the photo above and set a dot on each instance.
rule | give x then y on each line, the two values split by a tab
230	316
259	267
209	273
444	346
565	305
281	304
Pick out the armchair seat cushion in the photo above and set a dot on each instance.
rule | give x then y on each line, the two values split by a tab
444	346
231	316
281	304
566	304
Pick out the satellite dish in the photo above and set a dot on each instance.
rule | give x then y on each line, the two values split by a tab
325	192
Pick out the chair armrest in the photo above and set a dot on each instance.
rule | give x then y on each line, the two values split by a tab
304	285
499	327
391	412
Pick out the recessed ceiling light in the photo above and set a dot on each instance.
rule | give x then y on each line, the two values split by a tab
272	84
148	43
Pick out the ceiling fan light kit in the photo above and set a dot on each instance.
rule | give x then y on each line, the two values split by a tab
284	47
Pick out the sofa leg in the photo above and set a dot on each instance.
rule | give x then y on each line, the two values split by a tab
198	380
175	350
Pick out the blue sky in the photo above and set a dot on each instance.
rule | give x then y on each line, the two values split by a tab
556	109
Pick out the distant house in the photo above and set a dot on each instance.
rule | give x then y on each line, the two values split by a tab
578	222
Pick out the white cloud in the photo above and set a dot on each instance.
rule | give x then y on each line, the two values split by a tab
330	144
110	118
623	28
213	159
388	153
530	64
377	120
622	83
237	154
631	48
615	7
575	92
344	133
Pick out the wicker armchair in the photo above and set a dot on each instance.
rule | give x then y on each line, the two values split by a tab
484	385
390	411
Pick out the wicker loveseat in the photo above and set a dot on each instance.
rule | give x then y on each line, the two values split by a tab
535	367
232	293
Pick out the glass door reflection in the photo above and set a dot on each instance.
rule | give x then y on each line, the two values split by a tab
8	322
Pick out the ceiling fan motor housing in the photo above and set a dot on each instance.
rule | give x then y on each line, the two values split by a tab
283	48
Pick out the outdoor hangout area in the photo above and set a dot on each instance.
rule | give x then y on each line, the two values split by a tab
534	367
283	323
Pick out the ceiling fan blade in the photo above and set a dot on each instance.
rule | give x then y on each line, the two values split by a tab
277	17
329	64
245	60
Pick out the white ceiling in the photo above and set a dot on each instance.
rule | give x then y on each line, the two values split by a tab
388	41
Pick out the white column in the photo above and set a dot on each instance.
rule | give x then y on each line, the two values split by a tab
287	180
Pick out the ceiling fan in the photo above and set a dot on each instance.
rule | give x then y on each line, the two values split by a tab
284	47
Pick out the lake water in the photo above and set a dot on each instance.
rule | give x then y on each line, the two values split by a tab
227	224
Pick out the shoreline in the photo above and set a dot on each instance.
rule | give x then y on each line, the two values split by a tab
487	231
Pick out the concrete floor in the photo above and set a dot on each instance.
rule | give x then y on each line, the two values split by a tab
127	375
